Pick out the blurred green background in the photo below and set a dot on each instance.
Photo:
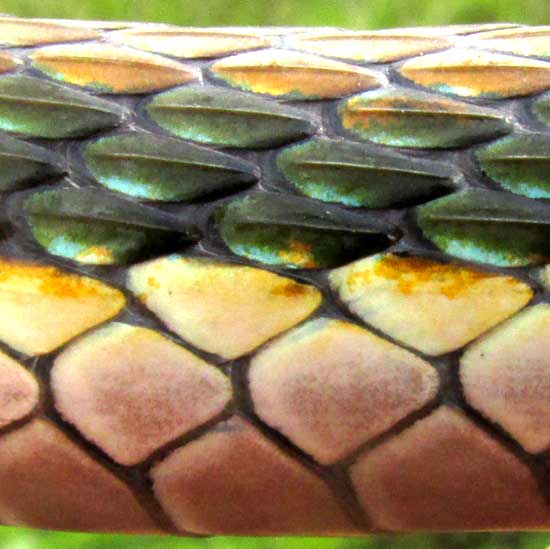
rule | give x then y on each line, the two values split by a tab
345	13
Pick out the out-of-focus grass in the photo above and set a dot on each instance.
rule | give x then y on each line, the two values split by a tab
344	13
15	538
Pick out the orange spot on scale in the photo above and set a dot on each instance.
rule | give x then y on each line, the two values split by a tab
290	289
152	282
100	255
412	272
358	279
299	253
47	280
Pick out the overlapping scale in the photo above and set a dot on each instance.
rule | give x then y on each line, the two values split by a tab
428	305
406	482
505	376
163	391
111	69
528	41
218	116
36	108
368	47
93	227
18	31
154	167
489	227
294	75
23	164
334	170
301	384
519	163
86	496
410	118
183	292
279	229
215	485
476	73
44	307
190	42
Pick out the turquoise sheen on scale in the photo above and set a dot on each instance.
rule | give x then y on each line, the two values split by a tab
489	227
35	107
334	170
280	229
402	117
153	167
519	163
89	226
218	116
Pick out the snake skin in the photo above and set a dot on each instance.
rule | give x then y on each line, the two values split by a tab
274	281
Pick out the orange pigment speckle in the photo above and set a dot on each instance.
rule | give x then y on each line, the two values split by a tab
358	279
289	288
49	280
98	254
299	253
152	282
410	273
